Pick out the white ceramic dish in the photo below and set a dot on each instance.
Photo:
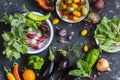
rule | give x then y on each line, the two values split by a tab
115	48
67	20
47	42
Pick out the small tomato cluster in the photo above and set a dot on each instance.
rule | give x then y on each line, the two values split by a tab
73	9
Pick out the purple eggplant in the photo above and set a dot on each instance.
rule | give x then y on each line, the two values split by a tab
47	73
63	63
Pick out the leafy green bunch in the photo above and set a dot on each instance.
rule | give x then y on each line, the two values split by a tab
108	33
14	40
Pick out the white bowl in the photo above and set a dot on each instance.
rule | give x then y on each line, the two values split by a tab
115	48
68	20
46	42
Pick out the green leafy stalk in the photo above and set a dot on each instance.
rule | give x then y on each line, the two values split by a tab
51	56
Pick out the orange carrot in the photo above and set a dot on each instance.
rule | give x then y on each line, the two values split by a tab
16	71
43	4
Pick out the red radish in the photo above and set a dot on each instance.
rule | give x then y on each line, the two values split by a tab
36	47
39	34
33	42
36	37
31	35
98	4
27	41
40	40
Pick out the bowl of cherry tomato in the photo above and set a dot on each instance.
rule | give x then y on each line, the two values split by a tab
72	11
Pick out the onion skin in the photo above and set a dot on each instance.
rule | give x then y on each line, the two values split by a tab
103	65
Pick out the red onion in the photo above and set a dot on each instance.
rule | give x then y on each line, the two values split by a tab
62	32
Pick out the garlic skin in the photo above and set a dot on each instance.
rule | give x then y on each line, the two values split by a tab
103	65
62	41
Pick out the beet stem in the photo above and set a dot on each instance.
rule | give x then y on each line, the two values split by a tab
104	6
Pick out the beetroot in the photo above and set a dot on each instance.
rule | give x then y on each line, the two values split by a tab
93	17
98	4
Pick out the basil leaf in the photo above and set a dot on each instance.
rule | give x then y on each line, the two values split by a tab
82	70
7	36
24	48
16	54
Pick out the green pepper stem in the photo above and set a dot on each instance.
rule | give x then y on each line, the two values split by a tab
51	56
15	63
25	9
63	52
6	70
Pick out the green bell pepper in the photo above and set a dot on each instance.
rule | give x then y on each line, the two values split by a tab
36	61
92	57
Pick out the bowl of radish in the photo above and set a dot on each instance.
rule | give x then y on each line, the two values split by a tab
38	39
72	11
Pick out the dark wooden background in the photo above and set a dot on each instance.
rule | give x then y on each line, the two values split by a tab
111	9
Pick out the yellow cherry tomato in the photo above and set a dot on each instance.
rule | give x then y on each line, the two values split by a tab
55	21
75	6
64	6
75	18
77	13
69	1
84	32
28	75
85	48
76	1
